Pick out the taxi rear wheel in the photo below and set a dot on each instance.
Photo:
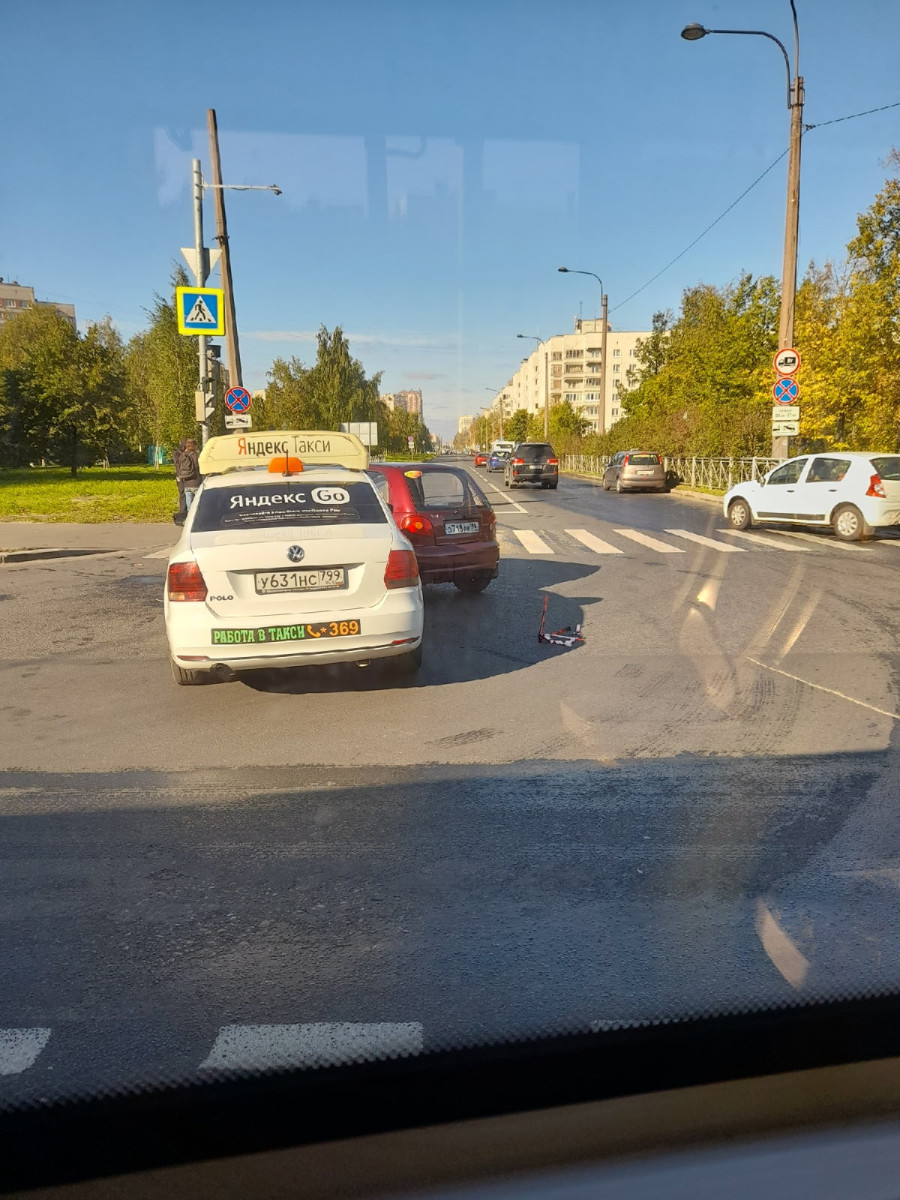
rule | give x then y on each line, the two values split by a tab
186	678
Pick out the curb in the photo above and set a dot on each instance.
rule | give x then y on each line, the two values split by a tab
15	556
679	490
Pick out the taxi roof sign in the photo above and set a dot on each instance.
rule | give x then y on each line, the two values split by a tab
311	446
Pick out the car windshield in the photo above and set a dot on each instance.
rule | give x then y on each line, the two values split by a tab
327	734
269	505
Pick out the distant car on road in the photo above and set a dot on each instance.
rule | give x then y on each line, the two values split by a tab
481	460
635	470
447	518
497	460
852	492
532	462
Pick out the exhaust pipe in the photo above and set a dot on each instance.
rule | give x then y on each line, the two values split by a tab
223	674
363	663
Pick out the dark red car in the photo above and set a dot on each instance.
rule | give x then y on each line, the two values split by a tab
446	517
481	460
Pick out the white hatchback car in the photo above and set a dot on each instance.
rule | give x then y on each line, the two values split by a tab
290	568
854	493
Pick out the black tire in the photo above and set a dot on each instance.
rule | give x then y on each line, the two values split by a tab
186	678
739	514
553	486
505	481
605	485
619	488
544	485
471	585
409	664
849	524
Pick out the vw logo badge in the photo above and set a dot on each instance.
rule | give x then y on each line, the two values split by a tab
295	554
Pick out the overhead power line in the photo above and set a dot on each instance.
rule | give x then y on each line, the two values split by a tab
819	125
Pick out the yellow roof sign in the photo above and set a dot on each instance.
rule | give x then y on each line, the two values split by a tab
311	446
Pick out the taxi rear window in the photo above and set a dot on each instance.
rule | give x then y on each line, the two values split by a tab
287	502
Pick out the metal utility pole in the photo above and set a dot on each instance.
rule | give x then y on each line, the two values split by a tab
200	276
231	332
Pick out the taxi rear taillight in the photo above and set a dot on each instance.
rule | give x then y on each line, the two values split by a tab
402	570
185	582
413	523
876	487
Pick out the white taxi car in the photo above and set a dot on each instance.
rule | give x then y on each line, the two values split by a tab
287	558
855	493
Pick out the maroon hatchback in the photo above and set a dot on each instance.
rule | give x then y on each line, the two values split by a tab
446	517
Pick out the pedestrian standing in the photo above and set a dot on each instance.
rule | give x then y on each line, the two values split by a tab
178	517
190	472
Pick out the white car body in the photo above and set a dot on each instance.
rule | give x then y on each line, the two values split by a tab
825	489
241	544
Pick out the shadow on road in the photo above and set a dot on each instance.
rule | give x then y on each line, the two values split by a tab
466	637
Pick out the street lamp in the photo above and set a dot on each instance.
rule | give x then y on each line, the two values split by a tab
498	392
795	99
540	341
601	418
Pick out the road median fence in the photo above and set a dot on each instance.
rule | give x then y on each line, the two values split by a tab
705	474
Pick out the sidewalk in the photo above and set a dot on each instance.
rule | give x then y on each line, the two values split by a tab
67	538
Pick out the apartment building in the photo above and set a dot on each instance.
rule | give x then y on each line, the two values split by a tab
406	401
569	366
464	423
16	298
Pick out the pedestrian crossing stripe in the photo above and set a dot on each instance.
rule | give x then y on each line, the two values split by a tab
200	310
556	542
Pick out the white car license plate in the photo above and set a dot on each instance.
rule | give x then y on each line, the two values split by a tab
322	580
644	474
461	527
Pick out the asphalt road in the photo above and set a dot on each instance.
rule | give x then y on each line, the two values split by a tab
694	810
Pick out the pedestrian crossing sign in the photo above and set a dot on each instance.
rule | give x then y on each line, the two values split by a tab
200	310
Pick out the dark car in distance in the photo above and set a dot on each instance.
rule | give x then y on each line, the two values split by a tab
532	462
447	518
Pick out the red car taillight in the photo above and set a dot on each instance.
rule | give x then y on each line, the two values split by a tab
552	462
185	582
413	523
518	461
402	570
625	461
876	487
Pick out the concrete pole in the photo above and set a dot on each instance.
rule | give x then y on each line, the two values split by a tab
781	445
602	410
200	275
231	333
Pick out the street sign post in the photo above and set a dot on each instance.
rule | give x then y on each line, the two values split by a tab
785	391
411	441
201	310
238	400
786	362
785	429
366	431
238	420
786	412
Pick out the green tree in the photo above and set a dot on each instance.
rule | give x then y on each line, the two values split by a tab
515	429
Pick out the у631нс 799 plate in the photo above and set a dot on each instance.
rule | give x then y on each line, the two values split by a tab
284	633
323	580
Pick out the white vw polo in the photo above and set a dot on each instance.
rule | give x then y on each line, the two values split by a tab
289	557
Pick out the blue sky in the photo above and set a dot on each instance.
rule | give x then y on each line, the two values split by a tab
439	161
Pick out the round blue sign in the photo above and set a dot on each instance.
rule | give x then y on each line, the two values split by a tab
238	399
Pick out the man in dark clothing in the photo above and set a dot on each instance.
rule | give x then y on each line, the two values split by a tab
189	470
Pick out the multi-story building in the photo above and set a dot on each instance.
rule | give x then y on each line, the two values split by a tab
407	401
464	423
16	298
569	366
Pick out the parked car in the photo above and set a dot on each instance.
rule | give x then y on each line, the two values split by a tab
497	460
447	518
635	470
481	460
532	462
852	492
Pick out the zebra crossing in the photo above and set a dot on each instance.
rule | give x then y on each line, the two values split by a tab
544	542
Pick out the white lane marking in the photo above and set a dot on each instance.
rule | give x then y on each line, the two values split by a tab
762	541
889	542
650	542
781	949
319	1044
593	543
707	541
820	687
161	553
19	1048
532	542
824	543
506	497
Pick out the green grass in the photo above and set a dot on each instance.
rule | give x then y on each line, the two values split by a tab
95	495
